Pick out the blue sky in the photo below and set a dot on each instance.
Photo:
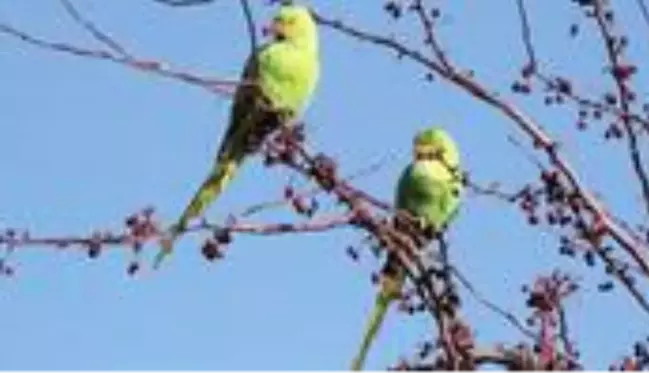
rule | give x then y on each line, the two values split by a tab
84	143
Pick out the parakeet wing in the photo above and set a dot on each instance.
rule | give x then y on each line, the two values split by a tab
247	104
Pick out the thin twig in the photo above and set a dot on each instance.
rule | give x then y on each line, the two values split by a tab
250	24
322	170
564	333
494	189
94	30
527	34
623	89
526	153
311	192
626	281
221	87
318	224
532	68
541	140
643	10
429	32
513	320
183	2
623	113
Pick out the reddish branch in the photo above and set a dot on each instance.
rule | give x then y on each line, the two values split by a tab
434	286
345	191
622	74
301	197
286	149
614	266
553	349
562	86
508	316
430	37
541	140
142	228
565	88
93	30
221	87
546	298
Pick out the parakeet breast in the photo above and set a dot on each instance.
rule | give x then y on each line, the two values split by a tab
289	78
428	190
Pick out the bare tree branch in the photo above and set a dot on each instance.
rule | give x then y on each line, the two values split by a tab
93	30
541	140
585	222
527	35
621	73
183	2
149	231
217	86
430	36
250	24
508	316
643	10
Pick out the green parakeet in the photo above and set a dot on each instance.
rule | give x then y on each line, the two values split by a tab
279	78
429	190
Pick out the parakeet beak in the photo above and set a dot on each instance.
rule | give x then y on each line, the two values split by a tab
277	30
425	152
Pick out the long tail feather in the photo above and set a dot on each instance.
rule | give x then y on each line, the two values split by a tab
375	322
212	187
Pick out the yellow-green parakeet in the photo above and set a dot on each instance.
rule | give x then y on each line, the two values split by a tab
429	190
279	78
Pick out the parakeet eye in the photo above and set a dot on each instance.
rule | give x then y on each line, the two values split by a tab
285	20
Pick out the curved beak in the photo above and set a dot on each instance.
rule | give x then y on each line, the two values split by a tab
276	29
422	152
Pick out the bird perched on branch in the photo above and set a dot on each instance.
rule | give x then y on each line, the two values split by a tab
429	191
278	82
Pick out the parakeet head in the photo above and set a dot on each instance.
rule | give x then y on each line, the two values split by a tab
295	24
435	143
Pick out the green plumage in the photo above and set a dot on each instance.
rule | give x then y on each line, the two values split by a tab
429	189
277	84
